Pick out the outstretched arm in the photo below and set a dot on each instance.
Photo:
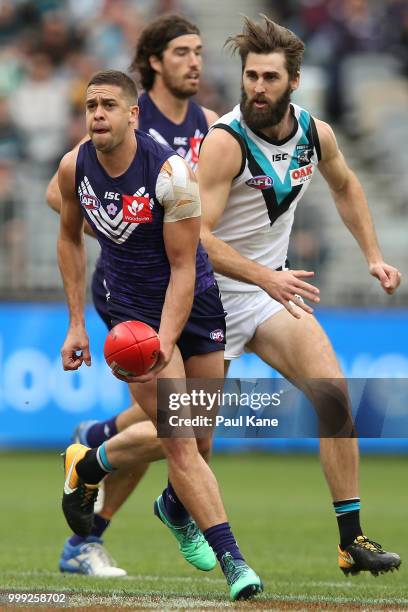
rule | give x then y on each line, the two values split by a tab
220	161
72	263
352	205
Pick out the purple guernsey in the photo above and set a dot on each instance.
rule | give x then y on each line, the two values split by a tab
128	222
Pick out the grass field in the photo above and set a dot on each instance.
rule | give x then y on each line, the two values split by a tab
280	512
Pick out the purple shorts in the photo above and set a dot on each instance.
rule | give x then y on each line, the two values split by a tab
203	333
99	292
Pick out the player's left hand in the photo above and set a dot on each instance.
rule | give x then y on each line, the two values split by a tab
389	277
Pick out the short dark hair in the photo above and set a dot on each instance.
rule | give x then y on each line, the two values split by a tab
115	77
154	39
268	37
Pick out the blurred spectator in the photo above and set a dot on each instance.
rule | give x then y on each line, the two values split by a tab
10	144
82	67
308	249
57	39
159	7
12	228
40	109
212	95
113	36
395	31
84	11
10	69
9	21
353	27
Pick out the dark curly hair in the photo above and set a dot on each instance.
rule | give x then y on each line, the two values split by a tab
153	41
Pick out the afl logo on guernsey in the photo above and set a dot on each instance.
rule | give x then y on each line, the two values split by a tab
90	202
260	182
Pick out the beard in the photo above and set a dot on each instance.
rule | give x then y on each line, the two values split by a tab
261	118
181	90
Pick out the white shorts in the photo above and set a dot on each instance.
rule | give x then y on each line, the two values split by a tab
245	312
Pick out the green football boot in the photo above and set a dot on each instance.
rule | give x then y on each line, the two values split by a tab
243	582
192	544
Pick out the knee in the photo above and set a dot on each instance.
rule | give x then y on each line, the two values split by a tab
332	404
181	453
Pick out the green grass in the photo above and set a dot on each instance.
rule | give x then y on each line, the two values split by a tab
278	506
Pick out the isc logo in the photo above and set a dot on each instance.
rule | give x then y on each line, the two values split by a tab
280	157
111	195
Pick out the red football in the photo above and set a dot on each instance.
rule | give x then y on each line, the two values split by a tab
131	348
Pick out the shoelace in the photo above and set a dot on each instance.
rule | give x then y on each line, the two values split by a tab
191	532
368	544
99	557
88	496
233	569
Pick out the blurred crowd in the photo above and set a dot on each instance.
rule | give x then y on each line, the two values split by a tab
50	48
48	51
335	30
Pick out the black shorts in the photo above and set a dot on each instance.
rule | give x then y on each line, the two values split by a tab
204	331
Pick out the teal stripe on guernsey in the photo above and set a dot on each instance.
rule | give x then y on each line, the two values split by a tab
255	150
347	508
104	459
281	188
304	121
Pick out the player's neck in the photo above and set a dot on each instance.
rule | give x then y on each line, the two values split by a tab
117	161
283	129
172	107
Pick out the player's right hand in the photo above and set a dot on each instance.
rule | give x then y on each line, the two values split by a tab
287	286
162	361
75	349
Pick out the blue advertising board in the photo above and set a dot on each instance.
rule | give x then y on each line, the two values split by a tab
40	403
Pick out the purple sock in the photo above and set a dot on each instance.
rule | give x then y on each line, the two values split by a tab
100	524
175	510
221	539
75	540
100	432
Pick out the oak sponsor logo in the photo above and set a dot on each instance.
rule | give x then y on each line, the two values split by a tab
298	176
